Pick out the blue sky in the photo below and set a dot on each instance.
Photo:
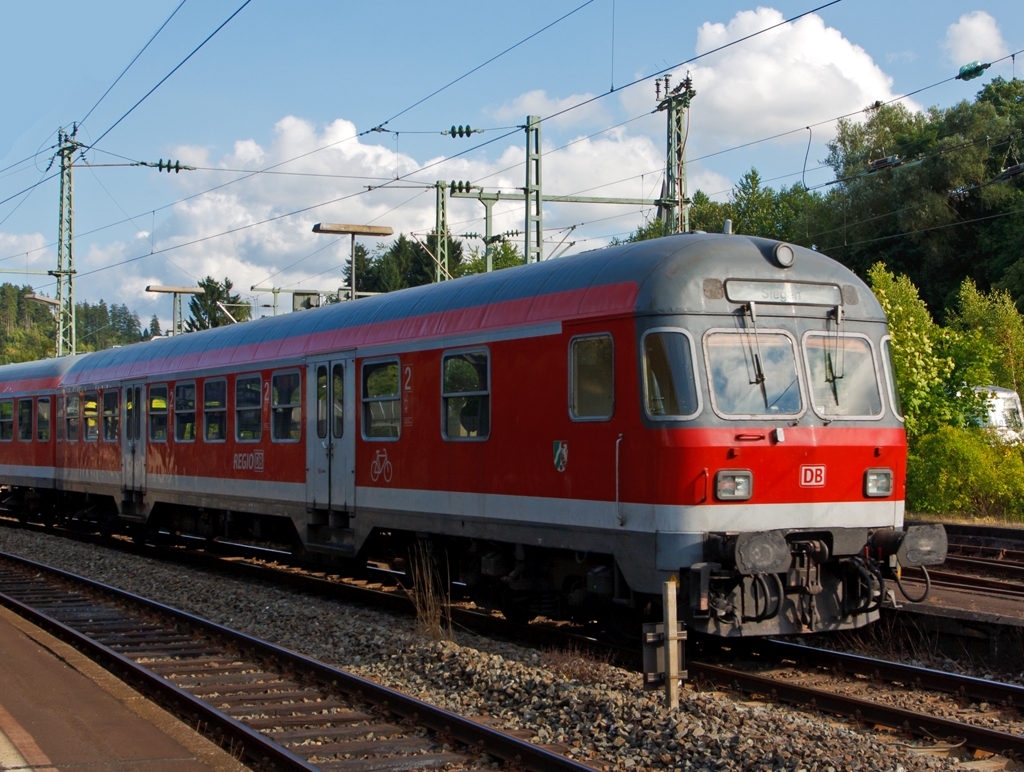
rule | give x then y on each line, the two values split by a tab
280	81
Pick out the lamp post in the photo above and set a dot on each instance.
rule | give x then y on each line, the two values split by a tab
339	229
176	313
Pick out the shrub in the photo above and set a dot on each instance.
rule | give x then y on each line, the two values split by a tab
966	472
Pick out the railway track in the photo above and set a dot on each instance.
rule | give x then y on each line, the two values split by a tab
257	563
278	709
832	695
989	560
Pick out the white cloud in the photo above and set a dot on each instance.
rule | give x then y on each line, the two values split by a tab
26	251
797	74
285	253
539	103
975	37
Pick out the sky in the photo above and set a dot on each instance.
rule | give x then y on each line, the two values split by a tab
294	91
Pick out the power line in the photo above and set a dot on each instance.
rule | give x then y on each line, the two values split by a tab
286	214
691	60
926	230
31	187
116	80
480	66
176	68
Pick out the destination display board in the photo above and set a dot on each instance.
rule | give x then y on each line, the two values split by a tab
783	293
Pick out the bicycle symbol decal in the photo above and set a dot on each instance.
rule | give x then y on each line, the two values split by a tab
381	467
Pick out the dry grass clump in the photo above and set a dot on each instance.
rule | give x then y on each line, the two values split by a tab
578	665
430	596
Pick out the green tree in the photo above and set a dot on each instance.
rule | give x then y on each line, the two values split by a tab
652	229
936	368
504	255
937	215
99	326
995	316
205	313
154	327
708	215
364	278
27	329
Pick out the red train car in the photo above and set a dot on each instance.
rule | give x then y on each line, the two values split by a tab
568	434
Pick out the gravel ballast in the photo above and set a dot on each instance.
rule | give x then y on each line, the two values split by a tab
605	717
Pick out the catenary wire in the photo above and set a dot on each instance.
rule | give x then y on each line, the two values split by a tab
134	59
926	230
303	155
484	64
168	75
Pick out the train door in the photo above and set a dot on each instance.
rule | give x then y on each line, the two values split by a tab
133	448
331	482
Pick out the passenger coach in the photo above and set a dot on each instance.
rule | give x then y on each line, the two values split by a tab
566	436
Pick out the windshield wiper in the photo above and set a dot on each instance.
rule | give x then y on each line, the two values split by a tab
832	373
759	378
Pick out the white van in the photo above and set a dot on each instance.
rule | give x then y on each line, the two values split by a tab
1004	413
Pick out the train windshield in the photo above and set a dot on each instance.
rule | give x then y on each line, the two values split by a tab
753	374
843	379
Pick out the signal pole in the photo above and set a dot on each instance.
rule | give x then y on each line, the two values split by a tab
65	273
676	103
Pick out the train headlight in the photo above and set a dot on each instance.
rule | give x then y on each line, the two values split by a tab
878	483
734	485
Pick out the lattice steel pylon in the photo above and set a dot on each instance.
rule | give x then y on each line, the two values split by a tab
442	243
676	103
66	342
534	251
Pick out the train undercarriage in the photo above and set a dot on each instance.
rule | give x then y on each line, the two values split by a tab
749	584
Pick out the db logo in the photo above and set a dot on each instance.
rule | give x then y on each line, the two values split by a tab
812	476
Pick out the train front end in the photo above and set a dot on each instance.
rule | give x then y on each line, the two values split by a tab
767	376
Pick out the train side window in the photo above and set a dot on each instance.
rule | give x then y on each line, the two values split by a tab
111	416
286	404
591	378
338	400
72	419
215	410
248	408
60	418
382	406
25	420
670	387
7	420
90	416
185	412
465	395
43	419
158	413
321	402
129	414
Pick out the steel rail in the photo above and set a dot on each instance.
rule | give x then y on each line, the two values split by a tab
955	581
920	724
257	747
910	675
473	734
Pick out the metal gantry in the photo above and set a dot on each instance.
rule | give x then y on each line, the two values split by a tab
673	205
676	104
66	342
443	242
534	251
